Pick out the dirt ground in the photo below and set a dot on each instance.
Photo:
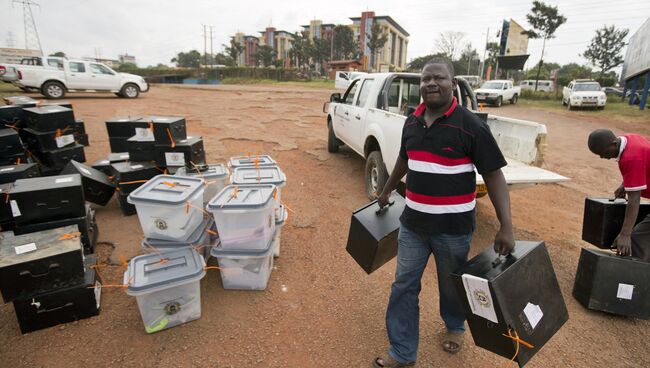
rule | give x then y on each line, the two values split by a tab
320	308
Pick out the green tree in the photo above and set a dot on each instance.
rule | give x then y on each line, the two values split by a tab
190	59
377	40
417	64
300	49
58	53
604	51
265	55
545	20
345	47
492	55
571	71
320	53
468	58
127	68
545	72
234	50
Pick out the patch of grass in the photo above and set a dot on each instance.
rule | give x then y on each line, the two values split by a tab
314	83
615	109
8	89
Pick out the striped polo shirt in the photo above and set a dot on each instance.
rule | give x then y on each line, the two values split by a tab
441	181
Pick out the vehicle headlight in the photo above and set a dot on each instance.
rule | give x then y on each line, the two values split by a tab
493	94
578	98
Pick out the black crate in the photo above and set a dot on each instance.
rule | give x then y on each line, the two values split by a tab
48	118
6	217
372	240
167	129
60	157
124	127
603	220
140	150
613	284
127	208
11	116
118	144
517	295
65	104
184	153
10	143
130	175
70	301
47	141
11	173
97	187
36	261
48	199
87	226
104	166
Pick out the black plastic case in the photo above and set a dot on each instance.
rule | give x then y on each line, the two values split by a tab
97	188
166	126
127	208
11	173
11	116
139	150
185	153
118	144
6	217
10	143
130	175
46	141
104	166
60	157
603	220
48	118
124	127
70	301
48	199
38	260
521	291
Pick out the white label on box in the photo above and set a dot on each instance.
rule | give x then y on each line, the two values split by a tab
14	208
87	172
175	158
64	140
480	297
8	169
25	248
69	179
143	135
98	292
534	314
625	291
136	167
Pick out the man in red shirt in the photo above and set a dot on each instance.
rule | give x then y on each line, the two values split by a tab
632	151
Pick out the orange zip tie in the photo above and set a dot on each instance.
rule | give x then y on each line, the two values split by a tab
275	194
161	170
171	185
170	138
18	161
289	208
188	205
132	182
196	168
125	265
7	199
150	125
40	103
212	232
58	133
70	236
30	154
155	250
99	276
212	268
516	338
110	177
13	126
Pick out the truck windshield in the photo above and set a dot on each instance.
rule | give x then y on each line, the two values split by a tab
586	87
492	85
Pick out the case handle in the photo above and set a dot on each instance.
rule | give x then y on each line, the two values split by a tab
385	208
33	275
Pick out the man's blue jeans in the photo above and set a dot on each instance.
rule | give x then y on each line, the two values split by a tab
403	314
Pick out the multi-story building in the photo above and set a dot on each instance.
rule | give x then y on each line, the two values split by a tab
280	41
126	58
249	51
239	38
394	51
317	30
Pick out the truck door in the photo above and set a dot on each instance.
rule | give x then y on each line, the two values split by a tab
103	78
77	76
341	117
357	115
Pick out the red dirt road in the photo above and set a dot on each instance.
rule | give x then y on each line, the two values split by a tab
320	308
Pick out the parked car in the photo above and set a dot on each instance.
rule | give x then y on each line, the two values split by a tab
542	85
369	117
618	92
59	76
343	78
494	92
583	93
473	80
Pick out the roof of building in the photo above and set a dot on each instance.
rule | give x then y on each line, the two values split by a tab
389	20
328	25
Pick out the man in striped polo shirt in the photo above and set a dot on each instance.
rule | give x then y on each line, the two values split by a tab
442	143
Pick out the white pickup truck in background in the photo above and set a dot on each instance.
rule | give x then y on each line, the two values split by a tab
495	92
343	78
583	93
57	76
370	115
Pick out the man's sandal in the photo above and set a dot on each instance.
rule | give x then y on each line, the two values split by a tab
389	363
453	342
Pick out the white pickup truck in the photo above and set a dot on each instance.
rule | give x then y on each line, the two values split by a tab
495	92
57	76
370	115
583	93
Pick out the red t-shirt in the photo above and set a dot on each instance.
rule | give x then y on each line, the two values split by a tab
635	164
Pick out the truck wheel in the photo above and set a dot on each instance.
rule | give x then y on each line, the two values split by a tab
376	174
53	90
130	90
332	141
499	101
514	99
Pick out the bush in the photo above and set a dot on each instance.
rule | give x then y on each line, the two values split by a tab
539	95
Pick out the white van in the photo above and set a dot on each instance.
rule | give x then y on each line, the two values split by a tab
343	78
542	85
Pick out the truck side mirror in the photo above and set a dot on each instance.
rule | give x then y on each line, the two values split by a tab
335	97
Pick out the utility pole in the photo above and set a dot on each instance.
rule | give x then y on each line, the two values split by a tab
487	35
211	53
31	34
205	46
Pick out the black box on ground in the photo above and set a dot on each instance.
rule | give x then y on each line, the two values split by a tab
104	166
47	141
372	240
38	260
131	175
87	226
60	157
124	127
47	199
11	116
184	153
82	139
140	150
69	301
6	215
167	129
118	144
127	208
10	143
11	173
48	118
6	160
97	188
603	220
613	284
513	296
